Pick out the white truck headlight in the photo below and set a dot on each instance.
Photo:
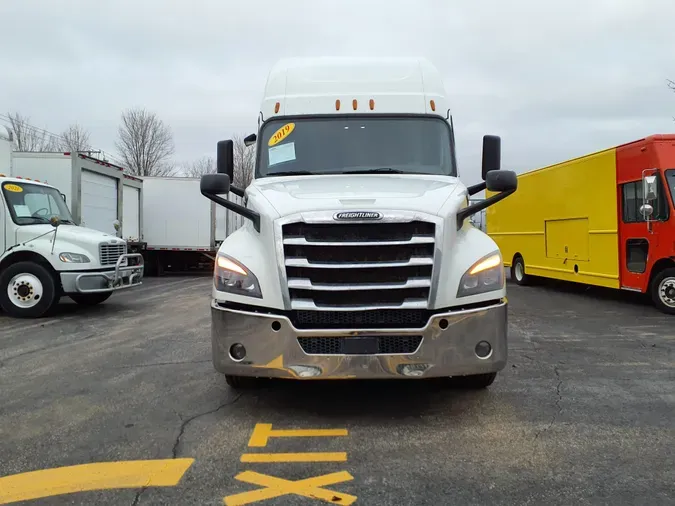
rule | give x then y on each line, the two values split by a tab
231	276
486	275
74	258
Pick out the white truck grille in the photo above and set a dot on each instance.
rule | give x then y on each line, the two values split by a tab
110	253
337	266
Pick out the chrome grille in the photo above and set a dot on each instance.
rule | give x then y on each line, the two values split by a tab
334	266
110	253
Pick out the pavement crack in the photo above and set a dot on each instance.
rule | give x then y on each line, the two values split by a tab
140	492
138	496
50	347
187	421
139	366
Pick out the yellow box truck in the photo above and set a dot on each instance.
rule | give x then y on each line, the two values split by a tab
603	219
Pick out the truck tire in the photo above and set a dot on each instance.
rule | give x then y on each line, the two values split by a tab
90	299
662	291
518	271
241	382
27	290
476	381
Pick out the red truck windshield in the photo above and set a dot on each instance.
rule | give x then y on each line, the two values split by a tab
670	179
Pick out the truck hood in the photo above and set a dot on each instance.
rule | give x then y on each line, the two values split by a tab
290	195
66	234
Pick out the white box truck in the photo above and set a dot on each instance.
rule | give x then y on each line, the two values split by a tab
98	193
182	229
45	255
357	259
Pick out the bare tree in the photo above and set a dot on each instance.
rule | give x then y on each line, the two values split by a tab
145	143
204	165
30	138
74	138
244	162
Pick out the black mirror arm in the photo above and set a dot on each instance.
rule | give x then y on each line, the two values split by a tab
473	189
241	210
479	206
237	191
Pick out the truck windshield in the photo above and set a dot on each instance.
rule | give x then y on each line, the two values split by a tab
31	204
356	144
670	178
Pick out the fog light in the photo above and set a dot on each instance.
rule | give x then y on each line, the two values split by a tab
237	351
305	371
483	349
412	370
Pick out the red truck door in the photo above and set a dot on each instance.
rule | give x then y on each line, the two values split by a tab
638	238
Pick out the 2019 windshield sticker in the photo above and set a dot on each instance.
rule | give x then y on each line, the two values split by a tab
13	188
281	134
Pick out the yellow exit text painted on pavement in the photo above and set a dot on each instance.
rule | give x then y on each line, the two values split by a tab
277	487
313	487
95	476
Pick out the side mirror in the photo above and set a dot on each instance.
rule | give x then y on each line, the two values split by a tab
249	140
649	187
501	181
492	154
215	184
646	210
225	160
117	225
63	196
55	221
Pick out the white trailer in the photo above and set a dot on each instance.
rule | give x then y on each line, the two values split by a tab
182	229
98	193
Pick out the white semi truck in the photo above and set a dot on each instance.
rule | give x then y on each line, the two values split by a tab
44	255
357	259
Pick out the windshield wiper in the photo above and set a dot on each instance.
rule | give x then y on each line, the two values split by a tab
292	173
381	170
39	219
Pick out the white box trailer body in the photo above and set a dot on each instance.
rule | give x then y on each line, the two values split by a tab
182	229
97	192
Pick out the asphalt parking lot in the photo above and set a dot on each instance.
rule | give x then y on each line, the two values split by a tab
583	413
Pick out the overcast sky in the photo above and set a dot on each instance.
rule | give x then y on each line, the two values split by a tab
553	81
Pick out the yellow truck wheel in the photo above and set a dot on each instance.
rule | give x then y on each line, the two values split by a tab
518	271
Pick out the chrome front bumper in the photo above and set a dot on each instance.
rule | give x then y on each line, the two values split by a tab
121	277
447	347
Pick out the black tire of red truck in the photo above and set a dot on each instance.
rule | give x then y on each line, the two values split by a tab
662	291
28	290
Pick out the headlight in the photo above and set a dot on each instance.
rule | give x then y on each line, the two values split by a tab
484	276
230	276
74	258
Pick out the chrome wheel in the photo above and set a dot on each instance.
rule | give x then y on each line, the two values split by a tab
519	271
25	290
667	291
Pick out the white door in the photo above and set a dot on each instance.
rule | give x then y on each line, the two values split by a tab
131	211
99	201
